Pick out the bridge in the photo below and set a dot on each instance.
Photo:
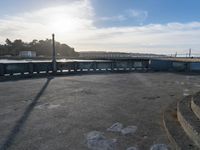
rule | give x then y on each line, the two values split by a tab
29	69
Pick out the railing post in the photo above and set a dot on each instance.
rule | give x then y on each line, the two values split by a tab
75	66
126	65
112	66
130	65
30	68
81	66
69	67
60	66
22	68
37	69
107	66
89	66
95	66
116	66
2	70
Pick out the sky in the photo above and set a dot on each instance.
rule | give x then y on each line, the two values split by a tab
141	26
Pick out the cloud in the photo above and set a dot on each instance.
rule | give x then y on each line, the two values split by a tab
74	24
113	18
156	38
41	23
138	16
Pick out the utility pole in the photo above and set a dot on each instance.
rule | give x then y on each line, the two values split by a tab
176	54
190	51
54	54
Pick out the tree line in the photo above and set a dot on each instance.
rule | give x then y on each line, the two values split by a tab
41	47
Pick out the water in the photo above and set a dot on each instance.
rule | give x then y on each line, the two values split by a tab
21	61
58	60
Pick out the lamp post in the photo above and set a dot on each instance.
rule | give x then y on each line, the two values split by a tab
190	51
54	54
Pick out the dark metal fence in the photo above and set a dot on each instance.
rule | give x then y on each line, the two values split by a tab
31	68
11	69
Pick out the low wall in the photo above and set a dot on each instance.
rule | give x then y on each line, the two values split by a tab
176	66
161	65
195	66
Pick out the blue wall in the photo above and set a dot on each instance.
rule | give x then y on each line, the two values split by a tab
195	66
161	65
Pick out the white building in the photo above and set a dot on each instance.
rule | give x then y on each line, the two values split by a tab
27	54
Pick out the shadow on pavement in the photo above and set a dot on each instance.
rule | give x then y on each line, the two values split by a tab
20	123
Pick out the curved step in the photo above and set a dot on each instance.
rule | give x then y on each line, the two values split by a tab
175	132
195	104
188	120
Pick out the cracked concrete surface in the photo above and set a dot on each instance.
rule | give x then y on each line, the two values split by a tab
56	113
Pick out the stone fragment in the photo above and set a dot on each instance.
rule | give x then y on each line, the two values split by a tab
116	127
159	147
132	148
129	130
95	135
97	141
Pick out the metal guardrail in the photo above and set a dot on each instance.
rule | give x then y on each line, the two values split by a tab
31	68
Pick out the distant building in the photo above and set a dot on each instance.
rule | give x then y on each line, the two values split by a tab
27	54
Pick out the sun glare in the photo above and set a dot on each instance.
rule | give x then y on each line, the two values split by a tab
63	23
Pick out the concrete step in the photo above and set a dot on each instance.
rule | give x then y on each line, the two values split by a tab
195	104
188	120
179	139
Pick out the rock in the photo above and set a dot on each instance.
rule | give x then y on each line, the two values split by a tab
101	144
95	135
97	141
116	127
129	130
132	148
145	137
159	147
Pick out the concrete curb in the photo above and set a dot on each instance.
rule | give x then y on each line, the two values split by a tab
175	133
195	105
188	120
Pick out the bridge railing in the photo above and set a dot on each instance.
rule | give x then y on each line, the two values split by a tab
10	69
25	68
31	68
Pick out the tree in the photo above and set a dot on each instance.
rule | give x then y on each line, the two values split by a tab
17	46
8	42
7	49
42	47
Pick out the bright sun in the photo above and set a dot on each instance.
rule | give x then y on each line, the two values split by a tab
63	24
